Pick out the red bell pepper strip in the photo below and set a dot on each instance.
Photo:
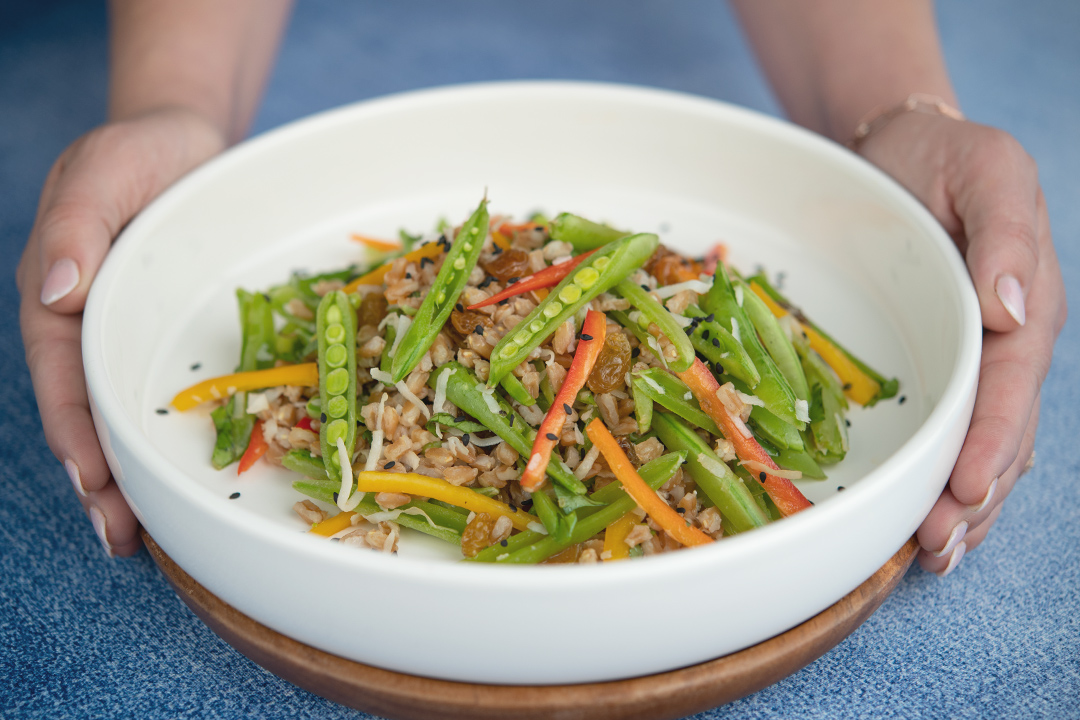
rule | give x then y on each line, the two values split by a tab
304	423
548	277
593	333
256	448
783	493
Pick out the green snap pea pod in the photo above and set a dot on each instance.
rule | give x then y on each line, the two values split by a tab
386	360
828	428
779	432
773	389
335	325
643	408
726	490
800	460
717	345
775	340
758	491
583	234
535	547
443	295
643	336
516	390
672	394
463	389
889	386
545	509
653	312
598	273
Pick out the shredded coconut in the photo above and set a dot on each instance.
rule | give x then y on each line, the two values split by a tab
375	453
739	295
802	411
696	285
759	467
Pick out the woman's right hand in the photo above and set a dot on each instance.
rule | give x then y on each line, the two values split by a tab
93	190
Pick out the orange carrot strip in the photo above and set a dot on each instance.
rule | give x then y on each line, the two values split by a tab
375	277
701	382
661	513
302	375
594	329
257	447
376	244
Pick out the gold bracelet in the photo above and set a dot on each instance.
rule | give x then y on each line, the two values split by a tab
881	116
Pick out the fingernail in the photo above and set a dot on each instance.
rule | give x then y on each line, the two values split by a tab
62	278
976	509
955	537
954	559
97	518
76	479
1012	297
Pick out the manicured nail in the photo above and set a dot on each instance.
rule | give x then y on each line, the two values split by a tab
955	537
62	278
1012	297
976	509
97	518
954	559
76	479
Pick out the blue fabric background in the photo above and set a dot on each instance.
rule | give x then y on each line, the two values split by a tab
85	636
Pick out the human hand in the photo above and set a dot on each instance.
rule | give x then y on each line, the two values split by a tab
96	186
984	189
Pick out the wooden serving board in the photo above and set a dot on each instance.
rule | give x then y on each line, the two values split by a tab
673	694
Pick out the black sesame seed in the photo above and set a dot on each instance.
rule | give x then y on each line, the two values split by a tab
585	337
567	408
512	280
459	307
497	250
840	487
847	422
335	497
465	439
502	302
425	261
234	496
715	342
162	411
504	543
710	317
513	507
459	418
705	335
680	510
389	465
761	476
266	297
635	352
552	436
511	421
322	417
479	330
487	281
196	366
847	386
646	288
408	276
902	400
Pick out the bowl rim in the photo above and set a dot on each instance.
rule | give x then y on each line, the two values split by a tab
957	392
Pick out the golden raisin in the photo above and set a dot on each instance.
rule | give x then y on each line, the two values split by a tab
465	321
609	372
669	268
569	555
372	310
477	534
512	263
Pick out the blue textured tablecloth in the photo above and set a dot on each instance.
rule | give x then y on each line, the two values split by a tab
85	636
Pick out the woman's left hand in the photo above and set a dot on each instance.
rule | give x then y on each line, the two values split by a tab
984	189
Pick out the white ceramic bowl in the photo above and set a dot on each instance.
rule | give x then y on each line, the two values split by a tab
861	256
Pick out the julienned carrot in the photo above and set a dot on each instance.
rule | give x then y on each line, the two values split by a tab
257	447
783	493
593	333
643	495
439	489
334	525
376	243
375	277
548	277
615	547
858	386
301	375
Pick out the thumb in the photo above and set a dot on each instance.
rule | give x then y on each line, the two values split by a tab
997	199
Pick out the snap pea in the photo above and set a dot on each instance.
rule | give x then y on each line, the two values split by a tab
443	295
672	394
828	429
530	547
637	331
643	408
463	389
653	312
582	234
717	345
775	340
776	430
335	323
600	272
726	490
385	361
545	509
773	389
516	390
800	460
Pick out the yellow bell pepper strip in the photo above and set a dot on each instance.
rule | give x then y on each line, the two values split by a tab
301	375
376	244
858	386
439	489
788	499
375	277
334	525
661	513
593	333
615	547
499	239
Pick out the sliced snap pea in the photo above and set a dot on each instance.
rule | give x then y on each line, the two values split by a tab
516	390
773	389
443	295
386	361
335	325
800	460
643	408
671	393
767	425
463	389
775	340
653	312
599	273
530	547
582	234
716	344
726	490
